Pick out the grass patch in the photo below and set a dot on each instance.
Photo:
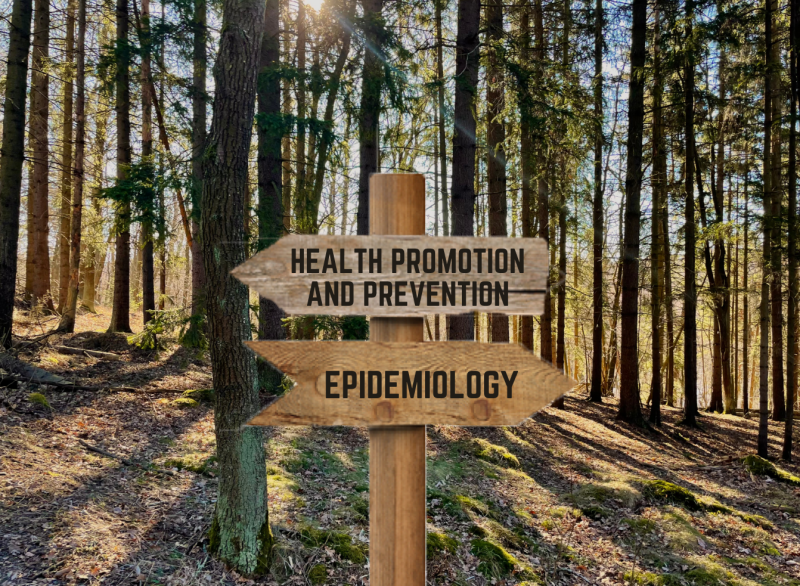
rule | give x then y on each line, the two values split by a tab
495	562
339	542
199	395
667	492
197	463
437	542
185	403
596	500
490	452
761	467
318	574
39	399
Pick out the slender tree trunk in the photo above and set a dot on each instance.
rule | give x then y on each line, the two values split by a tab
629	404
561	322
690	295
299	203
68	317
526	154
66	162
462	189
776	270
369	115
495	138
596	393
39	209
791	310
658	182
270	172
764	315
240	533
148	234
746	300
120	318
442	134
11	158
199	109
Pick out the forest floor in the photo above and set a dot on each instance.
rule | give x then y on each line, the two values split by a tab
569	497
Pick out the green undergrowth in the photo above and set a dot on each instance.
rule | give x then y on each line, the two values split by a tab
339	542
39	399
761	467
598	500
437	543
197	463
318	574
495	561
490	452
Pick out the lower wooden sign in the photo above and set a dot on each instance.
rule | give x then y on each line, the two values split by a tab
409	383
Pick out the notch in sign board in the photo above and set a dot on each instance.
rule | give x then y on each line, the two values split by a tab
408	383
399	276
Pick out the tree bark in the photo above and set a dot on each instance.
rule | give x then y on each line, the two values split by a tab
64	233
442	134
495	139
526	152
764	313
120	311
270	177
199	108
596	393
791	253
11	158
369	115
690	295
39	209
67	323
629	404
148	234
462	189
240	533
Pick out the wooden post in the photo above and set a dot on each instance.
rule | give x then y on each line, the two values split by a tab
397	454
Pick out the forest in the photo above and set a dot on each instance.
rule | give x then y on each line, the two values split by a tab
149	147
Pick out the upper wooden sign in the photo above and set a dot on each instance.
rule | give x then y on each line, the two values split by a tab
400	276
409	383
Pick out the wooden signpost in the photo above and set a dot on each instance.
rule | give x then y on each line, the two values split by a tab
396	384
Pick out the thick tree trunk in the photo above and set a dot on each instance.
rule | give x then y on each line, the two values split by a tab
495	139
120	311
66	162
199	101
148	235
68	317
11	158
763	361
270	172
690	294
462	189
39	209
240	533
629	404
369	115
596	393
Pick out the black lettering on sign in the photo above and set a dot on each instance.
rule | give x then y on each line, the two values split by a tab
440	384
329	384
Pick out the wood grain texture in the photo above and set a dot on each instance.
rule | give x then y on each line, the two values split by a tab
397	472
537	383
270	273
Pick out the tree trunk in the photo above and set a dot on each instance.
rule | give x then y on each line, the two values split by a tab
495	139
763	361
746	303
774	70
690	295
596	393
68	317
270	171
64	234
369	115
562	290
240	533
442	134
629	404
462	189
526	154
199	101
120	311
39	209
148	235
12	155
791	253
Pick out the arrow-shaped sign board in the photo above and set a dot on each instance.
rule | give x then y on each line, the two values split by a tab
400	276
408	383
